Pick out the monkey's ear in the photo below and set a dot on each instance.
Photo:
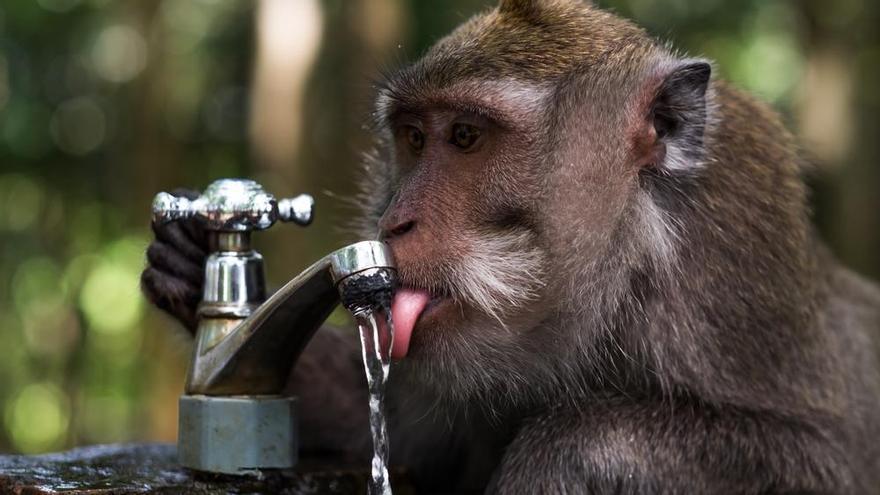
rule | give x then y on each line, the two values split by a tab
678	116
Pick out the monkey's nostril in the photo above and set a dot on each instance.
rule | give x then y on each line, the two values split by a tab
401	229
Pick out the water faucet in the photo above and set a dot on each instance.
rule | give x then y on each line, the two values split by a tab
233	417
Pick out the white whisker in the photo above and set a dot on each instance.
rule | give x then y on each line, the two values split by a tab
501	272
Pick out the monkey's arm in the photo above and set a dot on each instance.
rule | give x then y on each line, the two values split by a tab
629	447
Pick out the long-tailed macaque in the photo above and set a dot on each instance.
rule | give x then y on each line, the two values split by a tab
610	283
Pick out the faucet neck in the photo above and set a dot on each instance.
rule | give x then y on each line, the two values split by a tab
237	242
234	279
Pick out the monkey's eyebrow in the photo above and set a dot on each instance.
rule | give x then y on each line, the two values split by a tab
507	103
398	108
481	109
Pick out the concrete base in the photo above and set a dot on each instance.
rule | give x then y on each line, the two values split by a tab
237	435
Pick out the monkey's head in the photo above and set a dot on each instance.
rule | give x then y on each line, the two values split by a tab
514	179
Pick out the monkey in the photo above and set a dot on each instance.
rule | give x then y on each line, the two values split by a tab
609	278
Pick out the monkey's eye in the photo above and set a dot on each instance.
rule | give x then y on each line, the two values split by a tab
414	137
464	135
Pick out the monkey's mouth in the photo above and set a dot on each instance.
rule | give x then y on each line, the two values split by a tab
410	305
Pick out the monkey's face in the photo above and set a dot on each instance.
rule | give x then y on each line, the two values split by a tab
461	222
508	185
473	216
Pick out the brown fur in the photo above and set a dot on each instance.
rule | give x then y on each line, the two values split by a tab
632	356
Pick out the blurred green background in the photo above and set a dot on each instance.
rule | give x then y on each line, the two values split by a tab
104	103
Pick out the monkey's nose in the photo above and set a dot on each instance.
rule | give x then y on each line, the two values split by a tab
398	230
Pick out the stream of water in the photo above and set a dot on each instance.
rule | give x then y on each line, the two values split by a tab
376	342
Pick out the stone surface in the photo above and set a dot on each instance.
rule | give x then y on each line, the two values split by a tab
153	468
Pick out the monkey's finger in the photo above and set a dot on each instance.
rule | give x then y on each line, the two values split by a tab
169	260
167	291
193	228
173	233
172	295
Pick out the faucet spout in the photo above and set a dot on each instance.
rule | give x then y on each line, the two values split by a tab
252	352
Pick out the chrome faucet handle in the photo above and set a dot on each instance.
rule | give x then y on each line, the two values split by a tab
230	209
299	210
234	205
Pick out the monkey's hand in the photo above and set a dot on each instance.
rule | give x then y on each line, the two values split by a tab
175	270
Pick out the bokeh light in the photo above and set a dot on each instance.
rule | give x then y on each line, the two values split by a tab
119	53
20	201
38	418
78	126
110	297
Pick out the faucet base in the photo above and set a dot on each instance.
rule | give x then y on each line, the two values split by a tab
237	434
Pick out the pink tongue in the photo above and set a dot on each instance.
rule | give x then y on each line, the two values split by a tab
406	308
